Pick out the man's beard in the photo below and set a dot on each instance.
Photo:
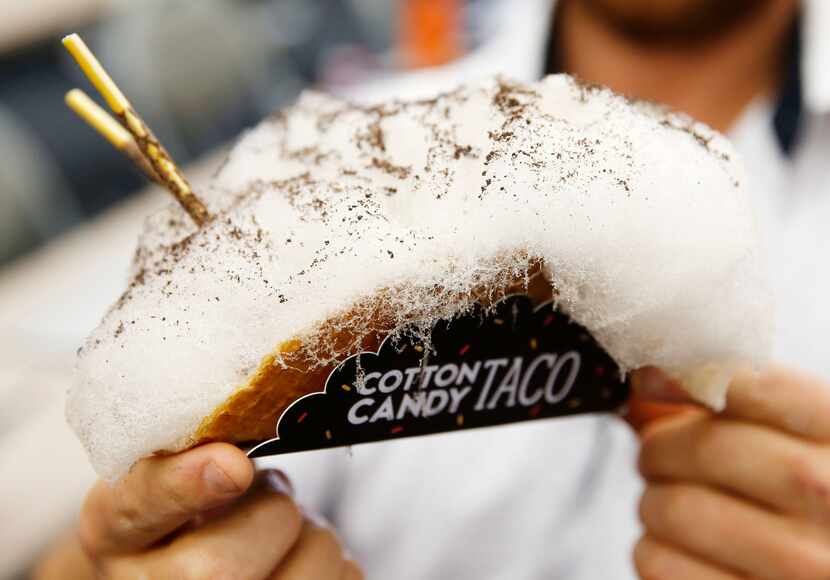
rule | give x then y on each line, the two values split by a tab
673	21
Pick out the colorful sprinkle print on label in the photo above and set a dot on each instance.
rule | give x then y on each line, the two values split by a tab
513	362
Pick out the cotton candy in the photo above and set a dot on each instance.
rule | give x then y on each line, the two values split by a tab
639	216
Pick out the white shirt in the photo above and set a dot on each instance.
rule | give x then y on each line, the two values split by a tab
548	499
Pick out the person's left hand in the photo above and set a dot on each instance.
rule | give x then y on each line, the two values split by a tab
743	494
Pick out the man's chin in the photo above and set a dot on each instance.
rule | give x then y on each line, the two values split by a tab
667	21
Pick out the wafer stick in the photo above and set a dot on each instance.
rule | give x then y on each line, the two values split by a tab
110	129
157	156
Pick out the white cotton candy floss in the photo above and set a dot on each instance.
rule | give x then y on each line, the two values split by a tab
640	217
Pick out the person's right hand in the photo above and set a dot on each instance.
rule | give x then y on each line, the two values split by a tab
203	514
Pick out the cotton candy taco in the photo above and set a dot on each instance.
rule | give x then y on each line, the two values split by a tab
406	231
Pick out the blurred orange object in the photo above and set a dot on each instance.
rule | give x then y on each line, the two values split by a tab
430	32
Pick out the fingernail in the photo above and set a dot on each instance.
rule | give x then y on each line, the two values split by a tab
279	482
219	481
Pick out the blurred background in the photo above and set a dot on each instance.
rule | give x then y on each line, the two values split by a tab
165	54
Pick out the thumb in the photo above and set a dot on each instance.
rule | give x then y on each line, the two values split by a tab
655	396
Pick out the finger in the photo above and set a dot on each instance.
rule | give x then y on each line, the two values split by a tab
655	396
784	399
655	560
731	454
317	554
732	534
159	495
641	413
246	542
352	571
65	560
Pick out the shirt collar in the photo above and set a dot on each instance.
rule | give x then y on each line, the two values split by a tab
788	111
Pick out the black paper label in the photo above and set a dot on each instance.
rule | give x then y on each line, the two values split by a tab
511	363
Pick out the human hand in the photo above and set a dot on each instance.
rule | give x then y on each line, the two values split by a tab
743	494
203	514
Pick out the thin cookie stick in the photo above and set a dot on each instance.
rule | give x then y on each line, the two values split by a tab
110	129
98	118
96	73
164	166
